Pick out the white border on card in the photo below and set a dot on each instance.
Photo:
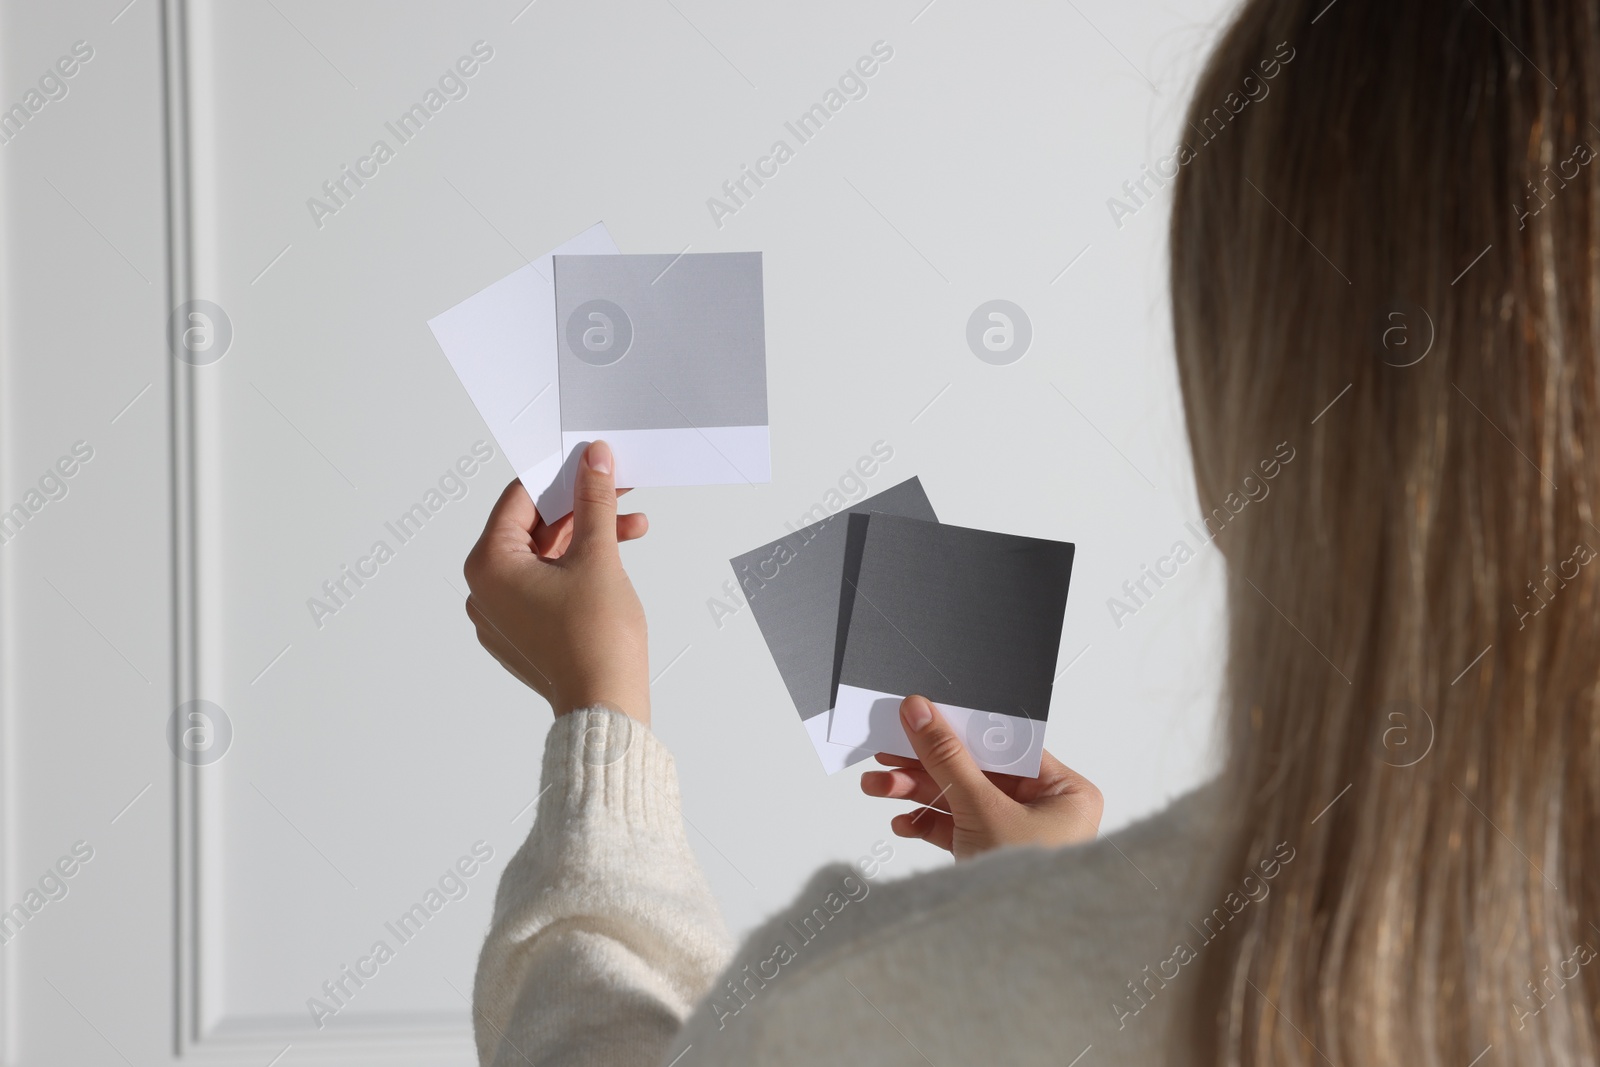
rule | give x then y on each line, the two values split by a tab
550	482
1007	744
834	757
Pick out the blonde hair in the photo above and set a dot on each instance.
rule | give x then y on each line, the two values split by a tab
1393	263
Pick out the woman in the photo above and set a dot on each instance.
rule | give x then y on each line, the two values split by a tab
1391	265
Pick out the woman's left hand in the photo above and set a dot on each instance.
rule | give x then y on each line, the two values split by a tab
551	601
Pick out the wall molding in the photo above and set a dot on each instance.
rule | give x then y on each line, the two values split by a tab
201	1031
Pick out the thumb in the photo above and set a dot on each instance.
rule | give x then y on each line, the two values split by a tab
594	501
961	782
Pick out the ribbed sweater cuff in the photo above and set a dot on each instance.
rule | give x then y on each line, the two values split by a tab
604	771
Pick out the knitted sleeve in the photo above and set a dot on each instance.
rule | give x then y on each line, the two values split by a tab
605	933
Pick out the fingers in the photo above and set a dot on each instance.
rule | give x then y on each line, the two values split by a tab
934	827
946	759
1057	779
1059	807
913	785
1065	788
1018	789
509	529
632	526
1051	768
513	511
594	501
552	541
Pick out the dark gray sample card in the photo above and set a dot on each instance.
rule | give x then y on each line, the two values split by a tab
970	619
793	587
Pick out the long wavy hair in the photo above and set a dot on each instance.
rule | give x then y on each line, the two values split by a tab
1391	261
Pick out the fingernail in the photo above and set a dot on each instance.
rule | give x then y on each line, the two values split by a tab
598	457
916	713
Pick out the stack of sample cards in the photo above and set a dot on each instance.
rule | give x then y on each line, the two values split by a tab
662	356
882	600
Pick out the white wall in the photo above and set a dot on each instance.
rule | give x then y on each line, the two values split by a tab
371	752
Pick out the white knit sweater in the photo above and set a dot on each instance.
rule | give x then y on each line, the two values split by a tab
607	946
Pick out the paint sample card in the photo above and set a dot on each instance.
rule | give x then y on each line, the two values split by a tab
502	344
793	586
970	619
665	358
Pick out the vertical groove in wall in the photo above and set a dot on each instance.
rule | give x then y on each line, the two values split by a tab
174	66
8	586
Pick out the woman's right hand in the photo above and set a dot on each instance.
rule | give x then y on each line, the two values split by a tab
967	810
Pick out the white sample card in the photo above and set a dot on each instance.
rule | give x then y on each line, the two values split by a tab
502	344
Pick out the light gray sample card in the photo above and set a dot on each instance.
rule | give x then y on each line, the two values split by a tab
665	358
970	619
793	586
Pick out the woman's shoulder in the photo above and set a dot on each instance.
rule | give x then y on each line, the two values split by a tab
996	949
